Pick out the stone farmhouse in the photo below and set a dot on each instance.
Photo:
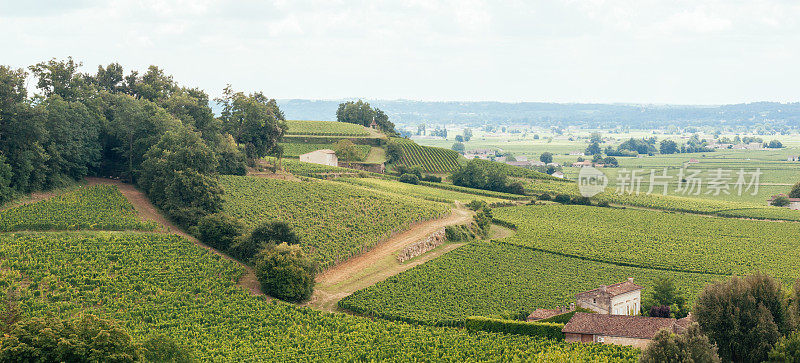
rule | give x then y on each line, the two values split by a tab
636	331
622	298
322	157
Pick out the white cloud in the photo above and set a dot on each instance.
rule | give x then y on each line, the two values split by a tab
683	51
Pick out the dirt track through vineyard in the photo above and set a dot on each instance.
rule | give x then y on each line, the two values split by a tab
148	212
379	263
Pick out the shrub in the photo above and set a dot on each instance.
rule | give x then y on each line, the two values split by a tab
164	349
82	339
562	198
659	311
603	204
285	272
545	197
432	178
265	235
458	233
546	330
409	178
476	205
780	201
581	201
691	346
219	230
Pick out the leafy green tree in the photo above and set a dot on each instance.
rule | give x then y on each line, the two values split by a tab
219	230
459	138
780	201
253	120
594	149
774	144
467	134
795	192
164	349
596	138
110	78
361	113
346	151
668	147
691	346
265	235
61	78
285	273
458	147
546	157
409	179
610	161
83	339
178	174
393	151
744	317
787	350
666	294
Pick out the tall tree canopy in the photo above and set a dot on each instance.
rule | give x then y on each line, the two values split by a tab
361	113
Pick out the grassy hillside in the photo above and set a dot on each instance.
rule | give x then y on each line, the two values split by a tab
335	220
100	207
659	240
165	285
430	159
325	128
489	278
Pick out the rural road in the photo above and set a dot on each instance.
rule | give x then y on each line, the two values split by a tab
380	263
148	212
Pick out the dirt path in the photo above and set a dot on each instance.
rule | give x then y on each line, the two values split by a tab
148	212
380	263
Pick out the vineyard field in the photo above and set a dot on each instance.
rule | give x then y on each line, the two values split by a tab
421	191
489	278
432	159
325	128
334	220
157	284
100	207
720	208
654	239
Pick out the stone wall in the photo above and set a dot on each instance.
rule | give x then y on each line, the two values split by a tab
370	167
416	249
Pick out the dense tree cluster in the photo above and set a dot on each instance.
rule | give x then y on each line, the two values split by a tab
746	317
476	175
361	113
143	128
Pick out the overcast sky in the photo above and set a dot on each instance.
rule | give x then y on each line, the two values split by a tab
640	51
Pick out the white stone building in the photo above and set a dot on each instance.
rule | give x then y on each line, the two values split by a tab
624	298
323	157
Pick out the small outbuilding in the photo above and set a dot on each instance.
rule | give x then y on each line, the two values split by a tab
322	157
636	331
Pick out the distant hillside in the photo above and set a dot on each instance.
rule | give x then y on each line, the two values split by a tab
777	115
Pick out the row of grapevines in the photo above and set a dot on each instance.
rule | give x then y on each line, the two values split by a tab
721	208
490	278
335	220
325	128
655	239
164	285
432	159
100	207
423	191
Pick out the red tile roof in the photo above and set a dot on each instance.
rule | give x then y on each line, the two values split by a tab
618	325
